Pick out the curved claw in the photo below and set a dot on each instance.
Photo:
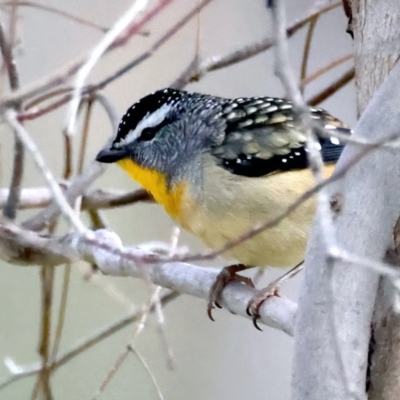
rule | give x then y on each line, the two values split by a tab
253	306
210	307
248	310
227	275
254	319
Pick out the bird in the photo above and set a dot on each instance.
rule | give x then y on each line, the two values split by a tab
221	167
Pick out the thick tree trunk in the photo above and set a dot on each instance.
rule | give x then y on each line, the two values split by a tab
377	48
337	302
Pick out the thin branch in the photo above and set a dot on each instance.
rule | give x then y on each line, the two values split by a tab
307	47
116	75
333	88
85	135
61	76
18	162
68	212
43	380
109	38
82	182
307	80
19	372
55	10
8	59
78	186
67	156
154	298
195	71
148	370
61	314
41	197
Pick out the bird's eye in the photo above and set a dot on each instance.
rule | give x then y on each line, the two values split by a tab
147	134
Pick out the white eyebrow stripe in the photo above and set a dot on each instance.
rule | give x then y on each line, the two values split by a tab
149	121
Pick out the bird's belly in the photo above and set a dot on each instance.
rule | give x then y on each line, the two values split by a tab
230	216
281	246
232	212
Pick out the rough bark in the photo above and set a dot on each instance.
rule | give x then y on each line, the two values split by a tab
376	44
377	48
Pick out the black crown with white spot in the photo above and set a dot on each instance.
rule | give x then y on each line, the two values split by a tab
143	109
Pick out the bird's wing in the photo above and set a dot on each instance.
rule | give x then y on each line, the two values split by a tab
264	136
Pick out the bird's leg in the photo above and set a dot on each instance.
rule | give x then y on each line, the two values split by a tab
253	306
227	274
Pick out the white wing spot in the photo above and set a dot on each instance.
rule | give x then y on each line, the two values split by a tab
329	126
335	140
272	108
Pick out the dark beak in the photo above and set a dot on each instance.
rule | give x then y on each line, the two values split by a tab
110	155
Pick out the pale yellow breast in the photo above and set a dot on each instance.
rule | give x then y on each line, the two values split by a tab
227	206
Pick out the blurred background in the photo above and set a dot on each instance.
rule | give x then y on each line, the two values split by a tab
226	359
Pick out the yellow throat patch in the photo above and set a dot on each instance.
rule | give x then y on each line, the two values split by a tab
155	183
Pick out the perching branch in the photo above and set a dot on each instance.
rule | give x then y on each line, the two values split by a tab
21	247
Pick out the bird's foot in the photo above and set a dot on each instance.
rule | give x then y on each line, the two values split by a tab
228	274
253	306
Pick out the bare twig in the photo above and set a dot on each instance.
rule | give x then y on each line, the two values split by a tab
120	72
18	163
43	380
78	186
24	136
154	299
85	135
306	80
307	47
82	182
61	314
92	199
195	71
148	370
19	372
131	14
55	10
333	88
61	76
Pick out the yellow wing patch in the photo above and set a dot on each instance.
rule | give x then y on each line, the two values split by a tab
155	183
